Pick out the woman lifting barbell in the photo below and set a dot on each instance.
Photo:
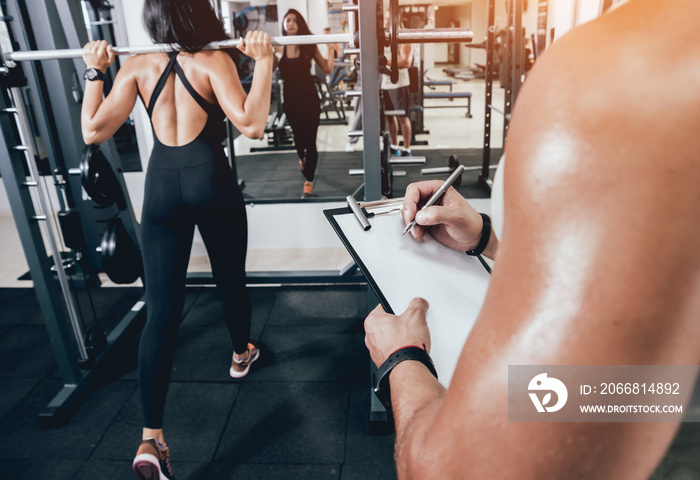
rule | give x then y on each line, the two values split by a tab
301	102
188	182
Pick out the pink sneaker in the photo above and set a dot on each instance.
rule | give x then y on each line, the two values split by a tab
239	369
152	461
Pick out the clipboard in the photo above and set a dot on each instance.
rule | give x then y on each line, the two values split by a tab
398	268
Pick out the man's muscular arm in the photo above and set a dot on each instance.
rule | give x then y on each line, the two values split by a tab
597	265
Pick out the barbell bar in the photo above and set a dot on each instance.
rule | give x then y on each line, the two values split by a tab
403	36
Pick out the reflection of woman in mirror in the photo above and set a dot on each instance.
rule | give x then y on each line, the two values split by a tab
301	102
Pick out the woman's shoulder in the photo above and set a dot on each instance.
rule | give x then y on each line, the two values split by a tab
144	61
137	65
212	59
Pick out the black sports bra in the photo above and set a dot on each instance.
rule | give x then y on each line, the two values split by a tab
214	126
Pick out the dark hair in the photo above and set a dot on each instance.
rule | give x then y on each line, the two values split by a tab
190	24
302	29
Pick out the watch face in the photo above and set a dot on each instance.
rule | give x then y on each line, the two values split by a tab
93	74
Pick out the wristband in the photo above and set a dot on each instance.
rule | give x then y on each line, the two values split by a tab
381	376
485	236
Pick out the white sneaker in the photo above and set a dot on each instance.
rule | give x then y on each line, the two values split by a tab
349	147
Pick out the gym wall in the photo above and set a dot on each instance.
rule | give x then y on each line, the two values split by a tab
461	15
566	14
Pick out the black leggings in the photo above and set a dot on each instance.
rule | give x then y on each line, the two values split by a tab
180	195
304	121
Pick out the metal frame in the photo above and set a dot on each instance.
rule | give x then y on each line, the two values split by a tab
53	25
57	306
515	60
17	187
484	180
515	63
55	29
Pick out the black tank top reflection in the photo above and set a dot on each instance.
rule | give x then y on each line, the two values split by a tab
214	130
299	85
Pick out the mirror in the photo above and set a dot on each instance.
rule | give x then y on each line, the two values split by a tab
269	171
447	107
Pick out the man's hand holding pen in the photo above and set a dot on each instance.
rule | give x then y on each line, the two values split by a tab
453	222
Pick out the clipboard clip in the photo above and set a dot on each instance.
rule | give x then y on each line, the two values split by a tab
363	212
360	213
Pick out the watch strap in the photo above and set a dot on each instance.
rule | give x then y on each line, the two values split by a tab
381	376
485	236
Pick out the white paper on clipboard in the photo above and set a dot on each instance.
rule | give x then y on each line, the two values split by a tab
452	282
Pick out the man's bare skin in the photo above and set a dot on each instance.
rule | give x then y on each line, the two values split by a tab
598	262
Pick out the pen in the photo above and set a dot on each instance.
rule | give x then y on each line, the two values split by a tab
438	193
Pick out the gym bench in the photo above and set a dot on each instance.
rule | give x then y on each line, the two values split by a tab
451	96
438	83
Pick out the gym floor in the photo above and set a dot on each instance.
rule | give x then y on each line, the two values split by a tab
301	414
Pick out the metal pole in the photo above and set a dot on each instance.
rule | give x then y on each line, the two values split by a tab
403	36
518	50
352	23
514	72
510	60
369	68
44	212
484	180
434	35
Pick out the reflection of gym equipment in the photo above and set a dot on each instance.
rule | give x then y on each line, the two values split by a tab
240	20
277	130
418	97
331	101
452	164
388	162
377	169
431	84
450	96
513	71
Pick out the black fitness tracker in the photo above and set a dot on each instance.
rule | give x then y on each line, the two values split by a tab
485	236
381	376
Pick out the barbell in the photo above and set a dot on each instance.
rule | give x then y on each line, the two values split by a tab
437	35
